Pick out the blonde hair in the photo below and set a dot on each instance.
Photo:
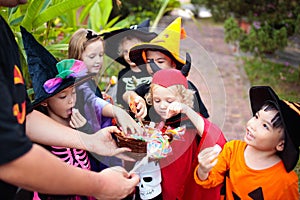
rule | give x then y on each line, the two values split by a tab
127	38
186	95
79	42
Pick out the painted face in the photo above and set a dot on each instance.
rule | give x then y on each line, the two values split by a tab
60	105
163	61
12	3
126	46
162	98
93	56
260	132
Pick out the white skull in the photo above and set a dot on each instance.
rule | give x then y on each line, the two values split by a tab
150	176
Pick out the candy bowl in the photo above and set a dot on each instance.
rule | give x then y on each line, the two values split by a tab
153	142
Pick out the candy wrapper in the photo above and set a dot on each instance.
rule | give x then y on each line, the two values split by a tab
132	105
176	132
153	141
159	146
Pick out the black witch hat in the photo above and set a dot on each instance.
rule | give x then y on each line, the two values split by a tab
49	76
113	39
290	115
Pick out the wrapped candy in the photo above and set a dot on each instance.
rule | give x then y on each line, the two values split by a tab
176	132
158	146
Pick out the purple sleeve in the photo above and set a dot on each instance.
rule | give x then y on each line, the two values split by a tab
93	106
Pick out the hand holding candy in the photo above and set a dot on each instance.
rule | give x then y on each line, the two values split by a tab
175	108
207	159
77	120
138	106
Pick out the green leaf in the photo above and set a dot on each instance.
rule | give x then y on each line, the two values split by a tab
57	47
16	21
106	8
94	19
33	10
112	22
57	10
85	12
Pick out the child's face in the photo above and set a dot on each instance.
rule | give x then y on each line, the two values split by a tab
261	134
92	56
126	46
162	98
60	105
163	61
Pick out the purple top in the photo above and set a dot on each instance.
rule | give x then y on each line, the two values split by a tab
92	106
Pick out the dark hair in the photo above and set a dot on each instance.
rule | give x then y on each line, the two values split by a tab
42	109
276	121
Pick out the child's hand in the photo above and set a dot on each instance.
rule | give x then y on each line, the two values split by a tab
138	106
77	120
207	159
175	108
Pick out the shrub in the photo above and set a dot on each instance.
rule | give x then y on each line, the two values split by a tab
271	22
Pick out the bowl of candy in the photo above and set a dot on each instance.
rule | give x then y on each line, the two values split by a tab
151	142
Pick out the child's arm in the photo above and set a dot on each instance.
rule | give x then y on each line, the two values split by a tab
207	159
176	107
123	118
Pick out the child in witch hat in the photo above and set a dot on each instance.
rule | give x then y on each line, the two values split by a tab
117	46
173	101
55	95
164	50
261	166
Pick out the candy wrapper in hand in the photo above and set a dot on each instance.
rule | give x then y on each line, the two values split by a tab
132	105
177	132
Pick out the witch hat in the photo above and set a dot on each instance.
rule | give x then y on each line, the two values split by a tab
49	76
113	39
167	42
290	115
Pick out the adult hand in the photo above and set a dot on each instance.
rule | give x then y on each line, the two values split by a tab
77	120
102	142
207	159
125	121
116	183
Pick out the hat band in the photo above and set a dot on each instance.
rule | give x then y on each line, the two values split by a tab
52	84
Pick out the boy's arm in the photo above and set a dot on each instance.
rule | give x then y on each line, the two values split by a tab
63	178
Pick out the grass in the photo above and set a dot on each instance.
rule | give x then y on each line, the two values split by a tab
285	80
